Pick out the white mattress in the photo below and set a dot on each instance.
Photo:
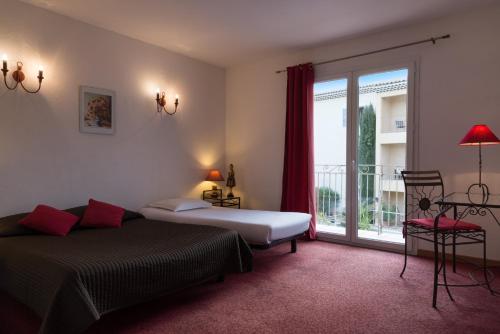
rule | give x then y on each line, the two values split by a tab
255	226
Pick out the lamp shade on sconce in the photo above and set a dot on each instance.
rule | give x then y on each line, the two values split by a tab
214	175
479	134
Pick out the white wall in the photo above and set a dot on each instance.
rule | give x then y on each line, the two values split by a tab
458	88
43	156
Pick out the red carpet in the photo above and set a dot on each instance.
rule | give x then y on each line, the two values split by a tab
324	288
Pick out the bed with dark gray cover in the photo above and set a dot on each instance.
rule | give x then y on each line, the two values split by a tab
70	282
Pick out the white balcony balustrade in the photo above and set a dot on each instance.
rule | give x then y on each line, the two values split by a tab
380	198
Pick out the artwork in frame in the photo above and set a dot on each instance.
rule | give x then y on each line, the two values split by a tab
97	110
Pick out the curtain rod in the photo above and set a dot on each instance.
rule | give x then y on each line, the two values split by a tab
428	40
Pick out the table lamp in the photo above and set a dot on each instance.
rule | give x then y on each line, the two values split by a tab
214	175
479	135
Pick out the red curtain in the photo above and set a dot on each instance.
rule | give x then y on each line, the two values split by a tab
298	172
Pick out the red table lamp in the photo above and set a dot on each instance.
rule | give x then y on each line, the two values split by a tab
214	175
480	135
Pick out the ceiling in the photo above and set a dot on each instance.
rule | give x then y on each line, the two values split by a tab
230	32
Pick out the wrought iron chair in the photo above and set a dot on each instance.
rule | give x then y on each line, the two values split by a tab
427	221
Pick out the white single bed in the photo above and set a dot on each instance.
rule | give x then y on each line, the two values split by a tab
261	229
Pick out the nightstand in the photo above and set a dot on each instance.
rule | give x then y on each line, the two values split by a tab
215	197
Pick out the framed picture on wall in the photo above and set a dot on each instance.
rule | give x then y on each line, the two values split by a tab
97	110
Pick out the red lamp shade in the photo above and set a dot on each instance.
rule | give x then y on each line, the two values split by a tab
479	134
214	175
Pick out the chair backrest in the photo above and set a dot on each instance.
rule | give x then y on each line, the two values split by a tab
422	190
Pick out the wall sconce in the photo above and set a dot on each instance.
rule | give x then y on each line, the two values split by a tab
161	102
18	76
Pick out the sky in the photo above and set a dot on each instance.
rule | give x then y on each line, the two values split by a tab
328	86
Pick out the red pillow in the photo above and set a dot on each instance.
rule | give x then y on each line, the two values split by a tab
100	214
50	220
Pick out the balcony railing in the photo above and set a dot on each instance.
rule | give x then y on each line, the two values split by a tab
397	125
380	197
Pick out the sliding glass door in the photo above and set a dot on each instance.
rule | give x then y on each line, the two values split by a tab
382	106
330	154
361	145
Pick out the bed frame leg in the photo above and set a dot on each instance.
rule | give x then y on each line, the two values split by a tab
294	245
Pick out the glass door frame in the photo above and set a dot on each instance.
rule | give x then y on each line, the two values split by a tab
349	100
351	236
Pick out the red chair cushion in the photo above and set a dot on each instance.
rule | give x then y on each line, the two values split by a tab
445	224
49	220
100	214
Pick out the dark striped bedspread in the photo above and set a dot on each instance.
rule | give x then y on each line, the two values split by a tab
71	281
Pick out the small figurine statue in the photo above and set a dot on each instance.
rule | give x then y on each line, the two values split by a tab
231	181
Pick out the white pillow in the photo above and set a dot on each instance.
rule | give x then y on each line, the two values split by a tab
180	204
